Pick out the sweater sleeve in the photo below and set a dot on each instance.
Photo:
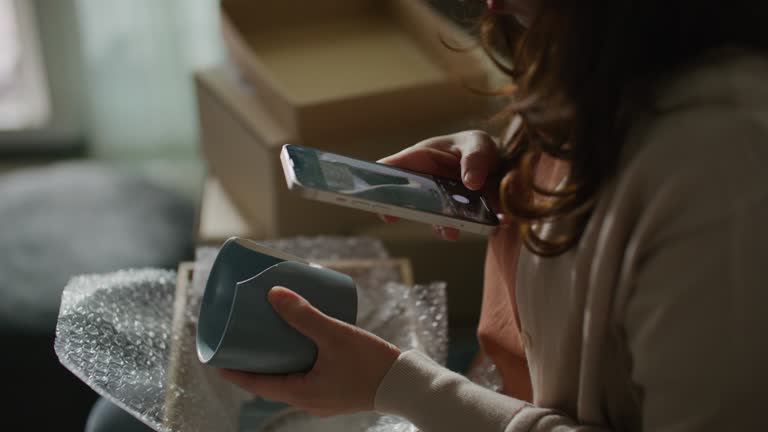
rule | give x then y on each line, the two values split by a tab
438	400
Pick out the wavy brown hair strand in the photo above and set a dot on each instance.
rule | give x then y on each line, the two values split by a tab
578	75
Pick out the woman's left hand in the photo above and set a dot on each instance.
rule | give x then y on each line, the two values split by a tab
350	363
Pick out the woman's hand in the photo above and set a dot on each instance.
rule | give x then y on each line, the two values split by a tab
471	156
350	363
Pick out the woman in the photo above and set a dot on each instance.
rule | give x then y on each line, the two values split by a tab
627	292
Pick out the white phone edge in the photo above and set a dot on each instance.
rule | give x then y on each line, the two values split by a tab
375	207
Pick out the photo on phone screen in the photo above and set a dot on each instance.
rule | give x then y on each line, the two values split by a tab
388	185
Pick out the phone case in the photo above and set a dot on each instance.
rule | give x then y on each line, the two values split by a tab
361	203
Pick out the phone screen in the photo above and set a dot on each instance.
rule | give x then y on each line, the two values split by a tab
388	185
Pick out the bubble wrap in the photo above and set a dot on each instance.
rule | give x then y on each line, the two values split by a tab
114	333
485	374
130	336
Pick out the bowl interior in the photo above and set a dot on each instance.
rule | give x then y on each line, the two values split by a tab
233	264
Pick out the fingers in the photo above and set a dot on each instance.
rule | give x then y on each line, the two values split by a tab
304	317
470	155
405	155
446	233
504	220
273	387
388	219
478	157
432	156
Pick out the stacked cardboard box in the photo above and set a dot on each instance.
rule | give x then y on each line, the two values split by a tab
364	78
350	68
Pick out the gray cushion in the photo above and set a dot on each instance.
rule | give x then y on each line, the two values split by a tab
74	218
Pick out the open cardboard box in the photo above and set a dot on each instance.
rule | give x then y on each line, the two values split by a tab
218	219
241	141
458	263
350	68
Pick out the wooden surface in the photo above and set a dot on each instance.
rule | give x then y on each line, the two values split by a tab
219	407
357	268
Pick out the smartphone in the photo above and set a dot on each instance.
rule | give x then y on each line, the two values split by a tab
384	189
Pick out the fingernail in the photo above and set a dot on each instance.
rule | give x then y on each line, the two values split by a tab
470	179
280	297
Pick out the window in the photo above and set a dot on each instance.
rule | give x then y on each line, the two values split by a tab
24	98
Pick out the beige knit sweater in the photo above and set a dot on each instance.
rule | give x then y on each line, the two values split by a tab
658	320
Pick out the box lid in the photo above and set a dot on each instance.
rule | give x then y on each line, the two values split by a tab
351	67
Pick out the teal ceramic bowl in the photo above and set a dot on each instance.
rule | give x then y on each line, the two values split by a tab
237	327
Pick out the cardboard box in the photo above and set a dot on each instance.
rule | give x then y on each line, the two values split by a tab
460	263
218	219
241	142
362	268
222	400
351	68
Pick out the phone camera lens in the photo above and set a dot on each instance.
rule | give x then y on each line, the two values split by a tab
460	199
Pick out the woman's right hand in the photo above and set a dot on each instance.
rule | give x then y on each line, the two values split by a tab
471	156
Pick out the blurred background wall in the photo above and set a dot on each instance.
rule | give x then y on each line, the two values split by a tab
119	76
138	56
100	167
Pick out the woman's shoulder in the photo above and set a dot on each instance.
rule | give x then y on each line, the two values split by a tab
727	76
710	127
701	160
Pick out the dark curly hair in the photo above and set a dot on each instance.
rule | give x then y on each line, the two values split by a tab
578	74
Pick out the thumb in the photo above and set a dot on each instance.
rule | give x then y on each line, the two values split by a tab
302	316
475	166
479	157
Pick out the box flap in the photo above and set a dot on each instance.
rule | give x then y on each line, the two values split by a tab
237	96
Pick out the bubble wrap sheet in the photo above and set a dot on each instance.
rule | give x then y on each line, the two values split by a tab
130	336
